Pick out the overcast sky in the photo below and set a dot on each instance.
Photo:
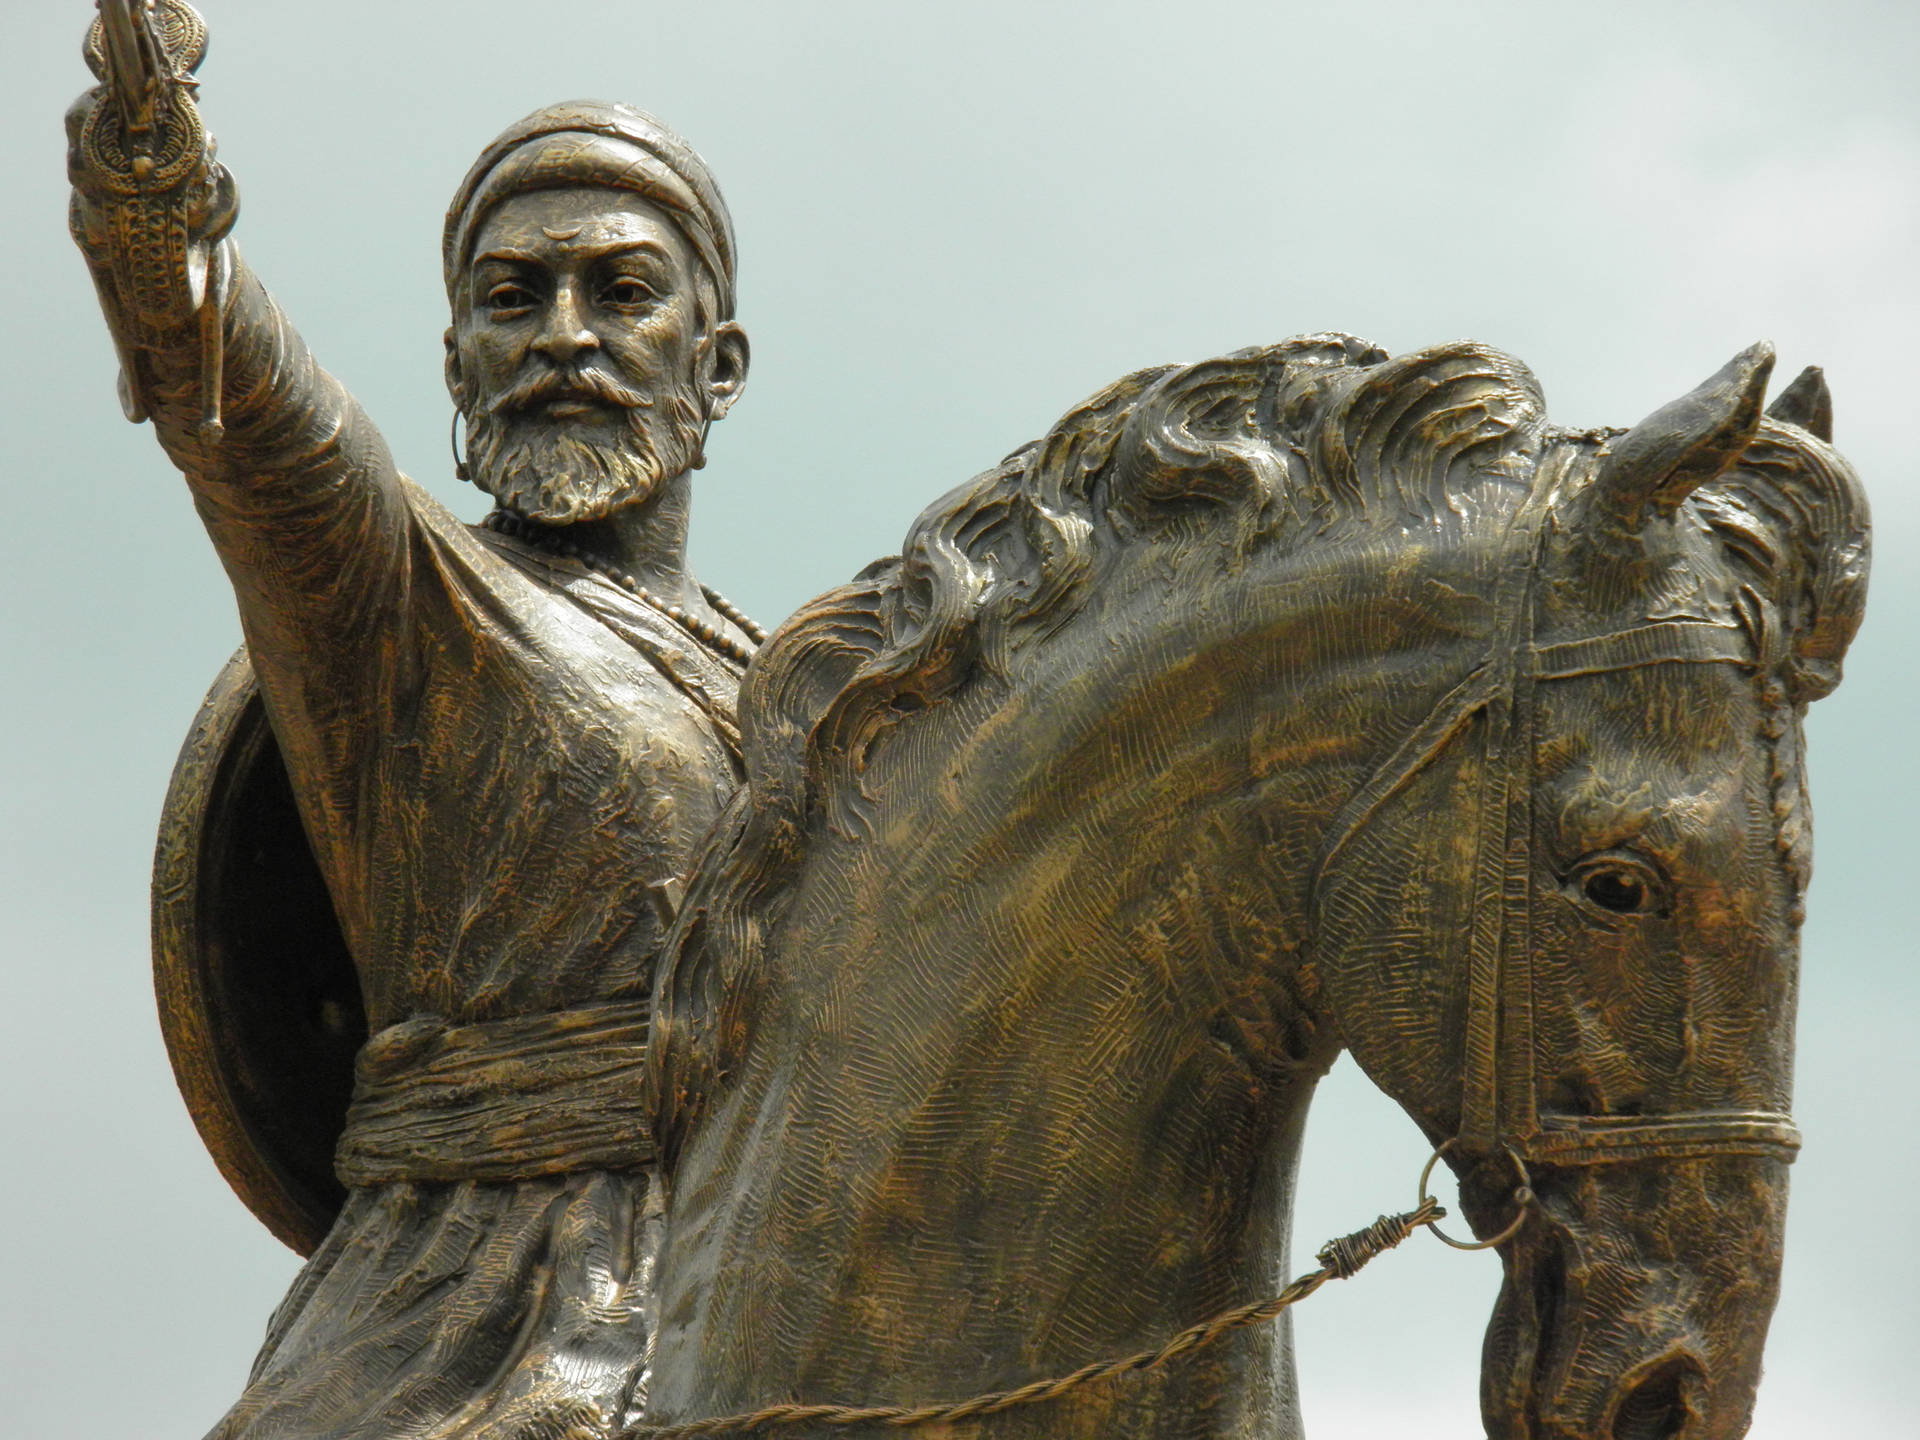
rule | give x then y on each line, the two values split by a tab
955	221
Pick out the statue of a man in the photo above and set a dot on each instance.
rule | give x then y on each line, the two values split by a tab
505	742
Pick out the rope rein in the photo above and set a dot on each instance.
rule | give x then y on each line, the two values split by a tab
1339	1260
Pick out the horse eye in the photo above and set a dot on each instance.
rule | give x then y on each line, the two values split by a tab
1615	892
1620	884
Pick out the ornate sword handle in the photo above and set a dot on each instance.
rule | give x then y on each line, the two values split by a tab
157	202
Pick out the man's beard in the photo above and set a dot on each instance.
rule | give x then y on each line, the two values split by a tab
547	468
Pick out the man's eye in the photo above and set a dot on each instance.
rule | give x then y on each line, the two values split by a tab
509	297
626	293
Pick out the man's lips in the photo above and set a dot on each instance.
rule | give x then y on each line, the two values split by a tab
563	407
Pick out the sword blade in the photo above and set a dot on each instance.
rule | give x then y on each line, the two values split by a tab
129	69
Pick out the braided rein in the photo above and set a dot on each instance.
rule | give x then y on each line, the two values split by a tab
1339	1259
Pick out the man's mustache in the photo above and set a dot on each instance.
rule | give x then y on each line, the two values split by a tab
589	384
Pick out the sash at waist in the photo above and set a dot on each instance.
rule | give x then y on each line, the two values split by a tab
502	1099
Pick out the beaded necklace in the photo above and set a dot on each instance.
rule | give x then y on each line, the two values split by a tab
541	537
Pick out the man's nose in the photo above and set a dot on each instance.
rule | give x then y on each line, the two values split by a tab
564	331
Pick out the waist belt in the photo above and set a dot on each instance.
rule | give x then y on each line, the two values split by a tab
500	1100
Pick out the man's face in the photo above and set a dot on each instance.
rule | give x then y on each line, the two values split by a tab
583	363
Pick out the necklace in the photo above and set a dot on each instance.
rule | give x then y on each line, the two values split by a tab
541	537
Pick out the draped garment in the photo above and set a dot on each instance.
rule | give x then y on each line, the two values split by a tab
504	764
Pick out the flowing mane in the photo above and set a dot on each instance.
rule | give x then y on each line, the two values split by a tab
1079	838
1794	523
1277	445
1274	445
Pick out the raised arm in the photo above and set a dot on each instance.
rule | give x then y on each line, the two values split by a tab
292	479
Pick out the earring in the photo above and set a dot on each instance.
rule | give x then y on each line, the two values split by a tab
460	471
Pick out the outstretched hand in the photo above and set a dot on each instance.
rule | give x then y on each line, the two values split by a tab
150	201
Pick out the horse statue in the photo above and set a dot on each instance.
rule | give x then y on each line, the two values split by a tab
1300	700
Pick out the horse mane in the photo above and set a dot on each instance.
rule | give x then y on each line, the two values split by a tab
1274	446
1278	444
1792	514
1793	519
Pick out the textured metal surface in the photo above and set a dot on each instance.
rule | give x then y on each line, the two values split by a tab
447	805
1297	700
259	1002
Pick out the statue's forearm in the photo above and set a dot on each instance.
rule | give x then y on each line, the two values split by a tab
271	442
299	492
301	499
289	426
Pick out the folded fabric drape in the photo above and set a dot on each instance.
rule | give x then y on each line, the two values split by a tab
500	1100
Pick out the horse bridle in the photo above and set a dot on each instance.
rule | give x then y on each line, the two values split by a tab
1500	1111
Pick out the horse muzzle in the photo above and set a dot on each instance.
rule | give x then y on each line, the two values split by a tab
1636	1300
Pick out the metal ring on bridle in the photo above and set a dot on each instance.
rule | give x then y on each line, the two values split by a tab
1522	1199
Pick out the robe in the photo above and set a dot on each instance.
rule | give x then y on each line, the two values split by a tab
504	763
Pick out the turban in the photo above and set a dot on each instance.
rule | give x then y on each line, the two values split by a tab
596	143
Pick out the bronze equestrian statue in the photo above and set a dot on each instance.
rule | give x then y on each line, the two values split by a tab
1300	700
504	741
1295	701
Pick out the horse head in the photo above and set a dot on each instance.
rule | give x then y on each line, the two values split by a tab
1295	700
1599	986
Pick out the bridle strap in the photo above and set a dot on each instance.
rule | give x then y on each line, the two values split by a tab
1658	643
1508	1112
1662	642
1604	1139
1499	1103
1499	1018
1432	735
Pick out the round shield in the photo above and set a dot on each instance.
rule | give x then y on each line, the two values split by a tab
259	1000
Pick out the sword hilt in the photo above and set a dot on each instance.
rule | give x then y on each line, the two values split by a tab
156	194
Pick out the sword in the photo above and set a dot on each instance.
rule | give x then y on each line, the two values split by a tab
140	76
149	152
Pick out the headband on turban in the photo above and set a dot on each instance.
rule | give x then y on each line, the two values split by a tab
596	143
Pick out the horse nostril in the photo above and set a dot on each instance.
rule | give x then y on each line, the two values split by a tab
1657	1407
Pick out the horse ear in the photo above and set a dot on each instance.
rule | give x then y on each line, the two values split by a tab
1807	403
1681	446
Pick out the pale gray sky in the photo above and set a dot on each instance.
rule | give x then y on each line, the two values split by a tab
955	221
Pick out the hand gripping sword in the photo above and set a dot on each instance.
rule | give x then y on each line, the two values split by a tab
147	153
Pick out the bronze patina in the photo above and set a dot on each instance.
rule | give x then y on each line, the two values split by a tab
930	1046
502	744
1300	700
